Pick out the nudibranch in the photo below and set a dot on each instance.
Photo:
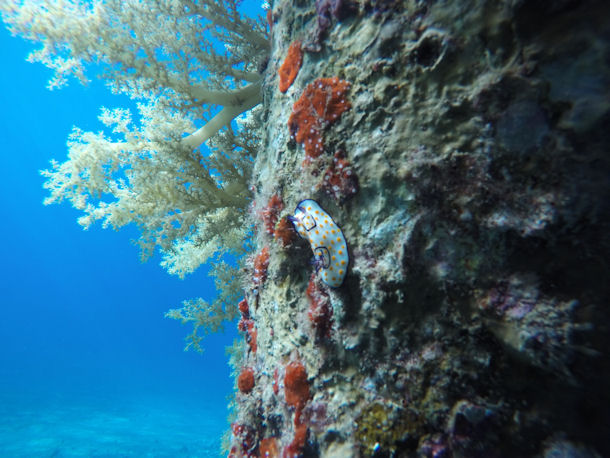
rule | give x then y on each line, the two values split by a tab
327	242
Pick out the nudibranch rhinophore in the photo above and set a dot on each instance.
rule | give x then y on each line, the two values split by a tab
326	239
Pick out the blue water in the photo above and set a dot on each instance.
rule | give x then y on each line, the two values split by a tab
88	364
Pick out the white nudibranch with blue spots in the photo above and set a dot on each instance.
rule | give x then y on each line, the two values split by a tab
326	239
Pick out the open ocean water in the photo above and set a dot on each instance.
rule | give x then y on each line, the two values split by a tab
89	367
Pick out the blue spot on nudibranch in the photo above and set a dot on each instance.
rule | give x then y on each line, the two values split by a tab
326	239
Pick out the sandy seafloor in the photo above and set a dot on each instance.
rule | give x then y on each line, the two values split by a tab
60	426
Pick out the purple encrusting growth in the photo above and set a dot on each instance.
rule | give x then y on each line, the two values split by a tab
538	328
326	11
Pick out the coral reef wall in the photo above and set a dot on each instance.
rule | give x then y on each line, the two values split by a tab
462	147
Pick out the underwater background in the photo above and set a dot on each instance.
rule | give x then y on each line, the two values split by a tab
88	364
461	150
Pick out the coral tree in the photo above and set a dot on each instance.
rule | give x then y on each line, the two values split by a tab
146	169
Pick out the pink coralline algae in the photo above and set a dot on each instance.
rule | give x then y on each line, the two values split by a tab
434	446
247	326
468	423
271	213
251	337
276	382
284	232
538	327
244	309
246	440
261	262
320	105
513	298
339	179
269	448
320	310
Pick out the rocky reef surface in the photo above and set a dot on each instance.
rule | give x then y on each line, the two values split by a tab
462	147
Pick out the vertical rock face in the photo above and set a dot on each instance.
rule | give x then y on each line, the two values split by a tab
473	320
